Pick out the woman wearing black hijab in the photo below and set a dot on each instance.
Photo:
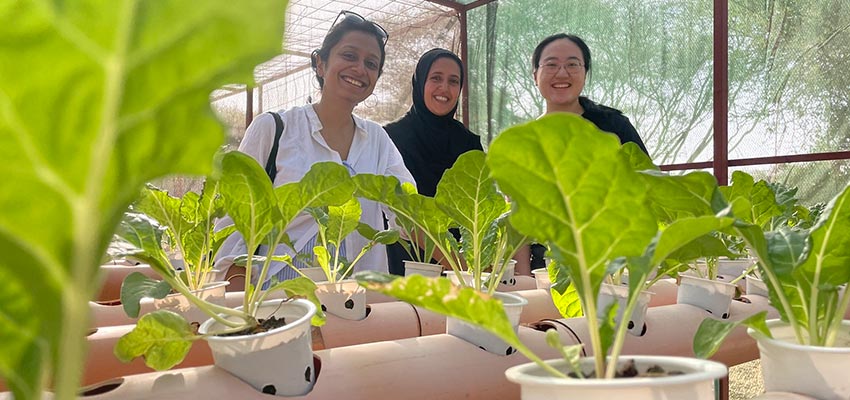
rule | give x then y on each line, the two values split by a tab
428	137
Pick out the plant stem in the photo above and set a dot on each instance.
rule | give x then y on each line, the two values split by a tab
745	273
620	335
593	328
776	287
835	323
537	360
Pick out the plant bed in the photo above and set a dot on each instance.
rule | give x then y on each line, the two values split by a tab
362	372
670	332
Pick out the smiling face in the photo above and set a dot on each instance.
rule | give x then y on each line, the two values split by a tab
351	70
442	87
560	88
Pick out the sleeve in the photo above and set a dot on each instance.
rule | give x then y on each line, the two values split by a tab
630	134
395	167
258	138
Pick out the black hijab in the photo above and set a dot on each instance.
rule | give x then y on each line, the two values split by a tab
429	143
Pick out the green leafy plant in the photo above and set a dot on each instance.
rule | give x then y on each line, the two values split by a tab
466	198
576	189
804	270
337	222
418	217
260	214
80	137
468	195
188	225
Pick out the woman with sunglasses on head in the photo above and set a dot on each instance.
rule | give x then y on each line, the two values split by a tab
347	67
429	138
560	66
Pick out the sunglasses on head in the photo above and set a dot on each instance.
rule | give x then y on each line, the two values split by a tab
355	17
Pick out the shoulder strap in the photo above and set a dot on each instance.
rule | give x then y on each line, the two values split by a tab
271	163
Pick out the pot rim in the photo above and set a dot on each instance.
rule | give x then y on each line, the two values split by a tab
422	264
207	286
702	370
310	310
794	346
516	300
713	282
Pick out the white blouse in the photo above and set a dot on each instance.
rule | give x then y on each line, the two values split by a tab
302	145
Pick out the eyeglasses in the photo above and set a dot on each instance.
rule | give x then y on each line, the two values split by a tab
552	68
345	15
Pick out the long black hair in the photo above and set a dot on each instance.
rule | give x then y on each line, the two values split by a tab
337	33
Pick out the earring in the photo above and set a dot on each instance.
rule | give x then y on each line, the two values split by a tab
371	104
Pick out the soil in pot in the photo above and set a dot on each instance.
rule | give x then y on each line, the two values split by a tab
630	370
264	325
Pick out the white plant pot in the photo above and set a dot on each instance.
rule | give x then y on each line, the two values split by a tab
712	296
733	268
697	382
315	274
820	372
279	361
345	299
608	294
508	275
728	270
756	286
212	293
541	278
467	278
420	268
513	308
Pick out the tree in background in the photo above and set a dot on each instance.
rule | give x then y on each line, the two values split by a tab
653	60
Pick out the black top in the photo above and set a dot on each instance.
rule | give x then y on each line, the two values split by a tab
430	144
611	120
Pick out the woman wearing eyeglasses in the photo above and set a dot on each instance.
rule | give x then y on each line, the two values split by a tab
560	65
429	138
347	66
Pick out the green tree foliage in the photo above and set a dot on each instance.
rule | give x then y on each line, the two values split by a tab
788	87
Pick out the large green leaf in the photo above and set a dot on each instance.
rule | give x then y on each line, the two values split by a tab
685	231
468	195
637	158
677	196
325	184
98	97
137	286
585	203
162	337
165	209
412	211
248	197
712	332
753	202
140	236
342	220
826	267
